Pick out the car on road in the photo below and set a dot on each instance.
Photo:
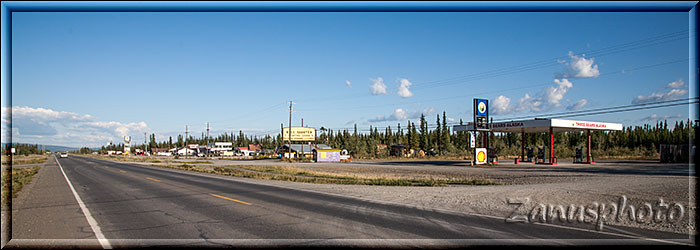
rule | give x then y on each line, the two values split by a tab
64	155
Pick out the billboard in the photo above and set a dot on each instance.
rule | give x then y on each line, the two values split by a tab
300	134
327	156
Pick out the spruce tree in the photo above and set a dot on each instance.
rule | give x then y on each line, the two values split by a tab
423	133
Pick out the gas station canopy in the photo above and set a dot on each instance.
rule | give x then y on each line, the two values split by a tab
550	126
543	126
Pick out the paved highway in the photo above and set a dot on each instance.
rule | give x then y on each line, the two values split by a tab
128	204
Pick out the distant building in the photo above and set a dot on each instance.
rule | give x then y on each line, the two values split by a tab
255	147
301	149
245	151
326	155
398	150
219	146
187	151
157	150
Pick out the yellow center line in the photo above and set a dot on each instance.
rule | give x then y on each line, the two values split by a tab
122	171
152	179
226	198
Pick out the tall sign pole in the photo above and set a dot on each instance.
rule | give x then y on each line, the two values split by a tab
481	124
290	129
186	148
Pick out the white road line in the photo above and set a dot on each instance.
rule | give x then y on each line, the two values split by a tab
93	223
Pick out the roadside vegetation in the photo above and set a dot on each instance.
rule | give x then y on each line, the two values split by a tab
437	141
20	177
286	173
22	159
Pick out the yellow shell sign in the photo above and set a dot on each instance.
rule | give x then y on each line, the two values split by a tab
480	155
300	134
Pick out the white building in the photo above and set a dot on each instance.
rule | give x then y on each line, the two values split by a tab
220	146
187	151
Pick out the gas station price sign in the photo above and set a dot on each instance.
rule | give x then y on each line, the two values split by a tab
481	114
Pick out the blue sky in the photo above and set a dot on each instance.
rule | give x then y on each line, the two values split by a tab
83	79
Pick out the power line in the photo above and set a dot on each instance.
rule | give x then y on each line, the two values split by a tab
555	61
495	90
606	110
656	40
575	113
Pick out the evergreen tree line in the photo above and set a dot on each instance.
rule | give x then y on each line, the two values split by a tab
23	149
439	139
240	140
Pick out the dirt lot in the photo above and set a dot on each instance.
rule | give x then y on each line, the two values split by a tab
606	182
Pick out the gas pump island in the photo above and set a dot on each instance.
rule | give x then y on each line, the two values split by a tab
538	125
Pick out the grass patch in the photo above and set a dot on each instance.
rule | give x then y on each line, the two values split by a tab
196	162
284	173
20	177
22	159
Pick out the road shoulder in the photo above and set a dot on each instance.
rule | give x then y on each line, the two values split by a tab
46	209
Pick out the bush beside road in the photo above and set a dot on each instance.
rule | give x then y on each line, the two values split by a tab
20	177
23	160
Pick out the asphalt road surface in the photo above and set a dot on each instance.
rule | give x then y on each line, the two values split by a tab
130	205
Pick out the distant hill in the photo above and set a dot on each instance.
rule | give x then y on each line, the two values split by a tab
52	148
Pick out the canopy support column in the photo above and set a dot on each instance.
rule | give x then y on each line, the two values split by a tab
588	152
522	145
551	147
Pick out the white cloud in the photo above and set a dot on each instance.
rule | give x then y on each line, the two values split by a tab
401	115
547	99
676	85
46	126
378	87
348	83
37	121
655	117
528	102
119	129
579	67
403	88
578	105
501	106
553	95
42	114
450	119
677	90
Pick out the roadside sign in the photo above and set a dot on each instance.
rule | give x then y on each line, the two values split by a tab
480	156
481	114
472	140
300	134
481	107
12	150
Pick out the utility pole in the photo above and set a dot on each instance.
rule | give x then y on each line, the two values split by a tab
186	148
282	134
145	143
290	129
207	140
